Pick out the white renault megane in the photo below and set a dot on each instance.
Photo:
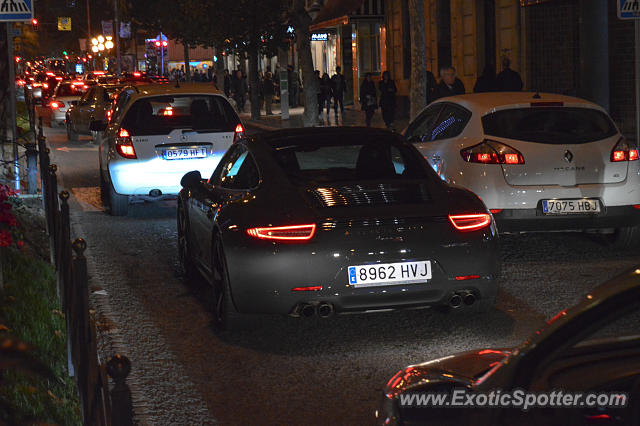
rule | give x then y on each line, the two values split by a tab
540	162
156	134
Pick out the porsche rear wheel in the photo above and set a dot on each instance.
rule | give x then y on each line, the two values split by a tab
187	266
225	316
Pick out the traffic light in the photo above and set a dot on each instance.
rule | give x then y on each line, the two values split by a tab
165	45
34	24
64	52
158	45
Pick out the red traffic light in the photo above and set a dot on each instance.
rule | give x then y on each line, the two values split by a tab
157	44
165	44
34	22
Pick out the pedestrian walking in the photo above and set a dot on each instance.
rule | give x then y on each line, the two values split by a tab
487	80
450	84
294	86
432	86
339	87
508	80
388	91
239	90
368	98
226	85
268	90
325	93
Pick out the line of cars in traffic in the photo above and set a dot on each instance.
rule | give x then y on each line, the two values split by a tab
312	222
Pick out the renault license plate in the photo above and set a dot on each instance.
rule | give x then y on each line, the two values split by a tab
184	153
570	206
389	273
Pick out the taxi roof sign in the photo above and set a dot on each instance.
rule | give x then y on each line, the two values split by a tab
629	9
16	10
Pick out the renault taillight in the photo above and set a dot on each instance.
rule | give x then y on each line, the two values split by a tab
492	152
124	145
624	151
284	233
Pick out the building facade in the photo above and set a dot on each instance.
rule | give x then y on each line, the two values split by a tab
578	48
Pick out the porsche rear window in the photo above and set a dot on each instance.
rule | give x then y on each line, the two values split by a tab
328	161
550	125
160	115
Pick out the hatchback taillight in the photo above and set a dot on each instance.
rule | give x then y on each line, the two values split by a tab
284	233
238	133
124	145
492	152
470	222
624	151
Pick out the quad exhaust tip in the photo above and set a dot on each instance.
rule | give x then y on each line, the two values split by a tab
459	298
307	310
325	310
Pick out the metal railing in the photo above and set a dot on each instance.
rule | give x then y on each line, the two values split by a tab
100	406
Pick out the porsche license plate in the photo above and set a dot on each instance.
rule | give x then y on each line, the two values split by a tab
389	273
570	206
184	153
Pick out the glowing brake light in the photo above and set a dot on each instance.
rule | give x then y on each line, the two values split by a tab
238	133
470	222
167	111
109	112
124	145
492	152
284	233
136	74
310	288
56	104
624	151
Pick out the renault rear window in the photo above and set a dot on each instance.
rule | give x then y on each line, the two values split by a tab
159	115
550	125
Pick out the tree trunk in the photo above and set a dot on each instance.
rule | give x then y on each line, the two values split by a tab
4	87
219	68
301	21
254	83
187	68
418	90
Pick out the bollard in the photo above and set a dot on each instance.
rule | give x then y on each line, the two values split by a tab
118	368
32	168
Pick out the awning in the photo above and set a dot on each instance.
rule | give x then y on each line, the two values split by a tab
334	12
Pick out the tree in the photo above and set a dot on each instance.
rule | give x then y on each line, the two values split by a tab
301	22
418	92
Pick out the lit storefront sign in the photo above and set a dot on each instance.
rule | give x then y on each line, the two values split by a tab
319	37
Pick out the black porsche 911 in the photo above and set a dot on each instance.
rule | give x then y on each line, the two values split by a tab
320	221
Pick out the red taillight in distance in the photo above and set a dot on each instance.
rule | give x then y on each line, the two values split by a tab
624	151
56	104
470	222
284	233
492	152
124	145
238	133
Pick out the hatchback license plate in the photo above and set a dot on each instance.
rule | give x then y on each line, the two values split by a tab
389	273
184	153
570	206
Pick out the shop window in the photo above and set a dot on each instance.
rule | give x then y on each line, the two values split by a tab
369	45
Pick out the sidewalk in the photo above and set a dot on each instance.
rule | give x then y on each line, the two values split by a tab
352	116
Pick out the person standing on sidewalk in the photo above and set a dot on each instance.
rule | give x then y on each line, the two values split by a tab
292	79
325	93
239	90
368	98
268	90
388	91
338	86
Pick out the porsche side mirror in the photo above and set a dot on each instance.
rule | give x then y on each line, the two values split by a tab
191	179
98	126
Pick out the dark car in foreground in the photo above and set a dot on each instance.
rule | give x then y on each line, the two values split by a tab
592	347
320	221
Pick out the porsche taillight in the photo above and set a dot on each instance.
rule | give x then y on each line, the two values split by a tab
238	133
624	151
284	233
124	145
492	152
470	222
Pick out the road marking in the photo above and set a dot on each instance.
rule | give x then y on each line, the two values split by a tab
67	149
